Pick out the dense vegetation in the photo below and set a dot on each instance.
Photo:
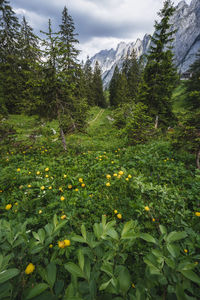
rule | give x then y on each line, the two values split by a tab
97	202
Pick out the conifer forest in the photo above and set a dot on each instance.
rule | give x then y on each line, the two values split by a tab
99	187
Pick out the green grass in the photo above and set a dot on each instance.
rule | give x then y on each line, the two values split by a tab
178	98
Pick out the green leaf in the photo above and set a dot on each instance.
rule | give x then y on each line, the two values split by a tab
103	286
112	233
37	290
8	274
184	266
124	280
173	250
83	231
51	274
98	230
180	294
60	226
108	269
148	238
74	269
163	229
81	259
175	236
126	228
191	276
41	234
78	238
103	221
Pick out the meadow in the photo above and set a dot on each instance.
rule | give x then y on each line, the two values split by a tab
104	221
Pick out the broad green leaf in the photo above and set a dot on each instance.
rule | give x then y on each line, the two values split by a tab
74	269
153	269
81	259
126	228
51	274
163	229
41	234
83	231
78	238
109	225
59	226
191	275
108	269
37	290
184	266
103	221
98	230
180	294
157	253
124	280
103	286
173	250
170	263
1	260
175	236
148	238
87	268
55	221
8	274
112	233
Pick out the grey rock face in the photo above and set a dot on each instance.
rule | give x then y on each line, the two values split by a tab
186	20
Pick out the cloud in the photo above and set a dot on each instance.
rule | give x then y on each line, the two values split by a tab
98	22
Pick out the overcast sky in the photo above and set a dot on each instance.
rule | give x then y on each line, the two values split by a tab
101	24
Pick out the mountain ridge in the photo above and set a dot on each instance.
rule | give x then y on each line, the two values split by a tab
186	20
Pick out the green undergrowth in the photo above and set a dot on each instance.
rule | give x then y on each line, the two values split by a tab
146	245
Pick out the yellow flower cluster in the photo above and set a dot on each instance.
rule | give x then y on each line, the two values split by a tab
8	206
197	214
63	244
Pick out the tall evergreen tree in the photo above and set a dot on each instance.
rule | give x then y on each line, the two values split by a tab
133	76
99	98
160	74
9	57
88	79
30	57
114	83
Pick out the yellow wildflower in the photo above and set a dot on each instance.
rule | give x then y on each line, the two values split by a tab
62	198
69	186
50	246
147	208
47	169
112	162
133	285
115	175
185	250
65	176
76	190
16	203
42	188
83	184
80	179
153	219
115	211
121	172
67	243
61	244
29	185
119	216
18	170
46	176
129	176
60	189
63	217
38	172
30	268
197	214
108	176
50	187
127	179
108	184
1	191
8	206
40	211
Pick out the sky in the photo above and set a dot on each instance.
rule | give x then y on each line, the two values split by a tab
100	24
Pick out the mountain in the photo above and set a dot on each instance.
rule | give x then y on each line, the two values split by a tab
186	20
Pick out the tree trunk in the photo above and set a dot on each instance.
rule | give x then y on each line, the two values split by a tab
156	122
198	159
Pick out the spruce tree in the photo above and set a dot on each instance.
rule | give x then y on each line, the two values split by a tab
160	74
114	83
9	58
30	57
88	81
99	98
133	76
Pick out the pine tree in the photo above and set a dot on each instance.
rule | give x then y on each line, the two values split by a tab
99	98
160	74
30	57
114	83
88	79
9	57
133	76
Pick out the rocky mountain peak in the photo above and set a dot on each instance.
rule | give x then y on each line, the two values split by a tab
186	22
